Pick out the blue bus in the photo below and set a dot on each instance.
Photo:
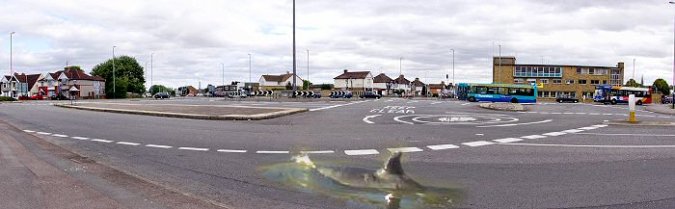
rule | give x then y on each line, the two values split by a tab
514	93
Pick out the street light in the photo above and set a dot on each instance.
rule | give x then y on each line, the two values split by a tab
295	87
400	63
453	66
114	87
249	67
11	69
151	55
673	98
223	65
307	65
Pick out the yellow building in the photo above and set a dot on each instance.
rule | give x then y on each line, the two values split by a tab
557	80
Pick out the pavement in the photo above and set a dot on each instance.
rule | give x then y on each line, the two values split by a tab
661	108
551	156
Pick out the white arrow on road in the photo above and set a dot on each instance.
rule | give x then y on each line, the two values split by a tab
365	119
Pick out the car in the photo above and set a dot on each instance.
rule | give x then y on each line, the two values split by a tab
371	95
161	95
667	100
563	99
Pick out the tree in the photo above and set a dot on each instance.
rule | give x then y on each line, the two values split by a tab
662	86
306	84
127	69
158	88
632	83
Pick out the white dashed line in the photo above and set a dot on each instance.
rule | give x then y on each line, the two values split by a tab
600	125
404	149
60	135
128	143
271	152
28	131
442	146
193	148
533	137
44	133
362	152
507	140
231	150
554	134
158	146
477	143
334	106
588	128
102	140
79	138
465	104
572	131
318	152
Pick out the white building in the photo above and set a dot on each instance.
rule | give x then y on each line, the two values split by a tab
354	81
273	82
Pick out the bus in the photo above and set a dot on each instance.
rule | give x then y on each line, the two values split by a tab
514	93
608	94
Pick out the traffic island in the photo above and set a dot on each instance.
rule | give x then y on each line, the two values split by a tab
204	112
513	107
661	108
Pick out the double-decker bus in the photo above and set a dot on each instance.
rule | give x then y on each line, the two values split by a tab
608	94
515	93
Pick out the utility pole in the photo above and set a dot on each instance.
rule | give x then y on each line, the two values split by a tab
500	62
223	74
633	69
453	66
307	65
400	64
249	67
114	87
11	67
151	54
295	87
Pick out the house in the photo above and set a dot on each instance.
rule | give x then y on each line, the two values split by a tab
186	91
437	89
418	88
279	82
358	81
31	81
71	81
401	84
382	84
9	86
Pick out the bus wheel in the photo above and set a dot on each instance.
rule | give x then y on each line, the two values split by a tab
472	99
514	100
639	102
613	101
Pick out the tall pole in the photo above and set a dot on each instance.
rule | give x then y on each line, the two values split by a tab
295	87
249	68
307	65
453	66
11	67
151	55
223	65
500	61
114	87
400	64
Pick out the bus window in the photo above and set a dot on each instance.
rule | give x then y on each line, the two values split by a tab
492	90
481	90
504	91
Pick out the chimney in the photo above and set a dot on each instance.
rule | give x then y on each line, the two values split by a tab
345	70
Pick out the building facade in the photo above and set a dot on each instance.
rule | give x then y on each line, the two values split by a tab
557	80
356	81
279	82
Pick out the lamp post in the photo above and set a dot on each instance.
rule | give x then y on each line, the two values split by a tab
295	87
223	65
151	55
307	65
249	67
453	65
11	69
673	60
400	64
114	87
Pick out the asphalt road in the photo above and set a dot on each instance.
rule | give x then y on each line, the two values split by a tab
552	156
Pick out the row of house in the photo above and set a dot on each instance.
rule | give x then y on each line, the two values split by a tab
69	82
362	81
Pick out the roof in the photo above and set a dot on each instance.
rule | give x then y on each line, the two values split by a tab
75	74
436	86
382	78
401	80
417	82
277	78
32	78
353	75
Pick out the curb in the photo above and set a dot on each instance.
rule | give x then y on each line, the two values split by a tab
651	108
263	116
509	107
641	123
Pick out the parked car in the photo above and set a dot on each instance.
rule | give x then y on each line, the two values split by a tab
563	99
162	95
667	100
371	95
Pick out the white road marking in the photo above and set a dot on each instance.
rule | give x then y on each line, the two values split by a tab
366	119
334	106
554	134
102	140
592	146
436	103
231	150
480	134
193	148
442	146
362	152
44	133
29	131
516	124
607	114
414	101
588	128
568	113
271	152
580	113
79	138
649	135
397	119
572	131
465	104
404	149
477	143
533	137
158	146
556	113
594	113
128	143
508	140
600	125
318	152
60	135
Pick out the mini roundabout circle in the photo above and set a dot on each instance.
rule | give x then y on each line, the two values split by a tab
455	119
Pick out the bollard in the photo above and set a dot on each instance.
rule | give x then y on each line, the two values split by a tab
631	108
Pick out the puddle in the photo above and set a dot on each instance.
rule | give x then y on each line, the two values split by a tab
360	188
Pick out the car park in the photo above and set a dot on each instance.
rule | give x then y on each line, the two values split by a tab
162	95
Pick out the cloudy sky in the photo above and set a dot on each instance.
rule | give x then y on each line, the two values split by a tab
193	40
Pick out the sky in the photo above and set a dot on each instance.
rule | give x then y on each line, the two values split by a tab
196	41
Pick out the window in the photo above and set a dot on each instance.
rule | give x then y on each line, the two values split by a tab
570	81
544	81
604	81
595	82
582	82
591	71
537	71
518	80
557	81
